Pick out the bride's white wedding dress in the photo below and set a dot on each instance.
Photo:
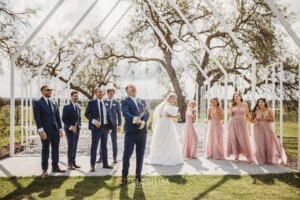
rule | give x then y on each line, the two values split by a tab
165	148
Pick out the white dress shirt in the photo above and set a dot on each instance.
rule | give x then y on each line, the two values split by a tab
134	100
104	111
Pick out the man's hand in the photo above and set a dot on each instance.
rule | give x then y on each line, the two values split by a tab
137	120
43	135
96	123
73	128
142	125
119	129
61	133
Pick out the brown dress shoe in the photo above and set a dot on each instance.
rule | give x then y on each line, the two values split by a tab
58	170
76	166
99	161
139	179
92	169
44	172
71	167
107	167
124	181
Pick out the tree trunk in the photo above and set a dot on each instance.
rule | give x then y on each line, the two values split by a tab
174	80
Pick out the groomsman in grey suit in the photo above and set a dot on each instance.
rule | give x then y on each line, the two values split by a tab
115	113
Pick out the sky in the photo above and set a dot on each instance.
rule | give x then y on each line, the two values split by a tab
68	14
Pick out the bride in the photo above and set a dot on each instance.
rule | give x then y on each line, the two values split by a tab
165	147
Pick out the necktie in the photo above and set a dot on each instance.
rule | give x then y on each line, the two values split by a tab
101	113
50	106
76	109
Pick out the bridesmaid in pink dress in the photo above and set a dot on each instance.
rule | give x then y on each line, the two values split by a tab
268	150
238	135
215	139
190	139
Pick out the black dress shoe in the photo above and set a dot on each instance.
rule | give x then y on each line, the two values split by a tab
115	160
99	161
92	169
107	167
139	179
76	166
123	181
58	170
44	173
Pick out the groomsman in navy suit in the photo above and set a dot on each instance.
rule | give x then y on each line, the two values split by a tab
136	116
49	127
72	123
115	113
98	114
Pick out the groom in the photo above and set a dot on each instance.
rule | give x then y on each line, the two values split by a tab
136	115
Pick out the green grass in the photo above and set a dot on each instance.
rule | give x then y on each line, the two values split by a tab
284	186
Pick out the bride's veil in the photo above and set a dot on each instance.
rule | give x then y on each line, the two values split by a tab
157	115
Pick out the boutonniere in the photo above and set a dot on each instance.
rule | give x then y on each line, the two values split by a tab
53	102
106	104
139	101
114	104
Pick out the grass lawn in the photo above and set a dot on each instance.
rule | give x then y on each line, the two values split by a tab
284	186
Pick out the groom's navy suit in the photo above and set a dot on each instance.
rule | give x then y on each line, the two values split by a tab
133	135
48	120
92	112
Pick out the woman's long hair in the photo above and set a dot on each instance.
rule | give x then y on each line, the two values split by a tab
233	101
256	107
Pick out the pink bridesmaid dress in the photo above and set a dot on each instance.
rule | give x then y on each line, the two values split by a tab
215	139
190	139
268	150
238	135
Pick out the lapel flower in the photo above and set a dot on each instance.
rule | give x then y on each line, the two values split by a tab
114	104
106	104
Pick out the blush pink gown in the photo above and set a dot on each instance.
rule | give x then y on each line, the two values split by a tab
190	139
215	139
238	135
268	150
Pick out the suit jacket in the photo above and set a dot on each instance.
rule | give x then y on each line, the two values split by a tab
44	118
70	116
130	111
115	113
92	112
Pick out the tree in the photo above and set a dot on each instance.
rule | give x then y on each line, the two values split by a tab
138	41
251	21
12	25
97	72
254	24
